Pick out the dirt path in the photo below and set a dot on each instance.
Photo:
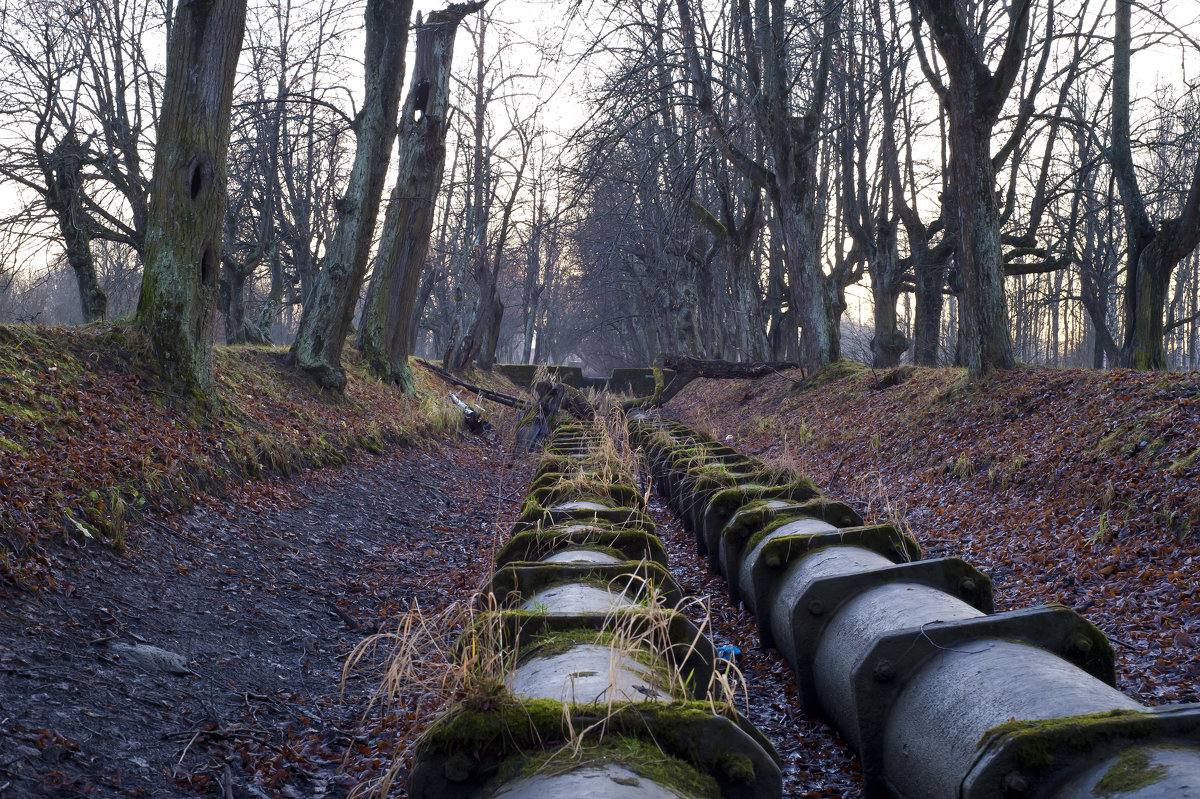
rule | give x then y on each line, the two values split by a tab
255	603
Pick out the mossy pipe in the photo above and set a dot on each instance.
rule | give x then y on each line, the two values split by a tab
587	637
925	684
941	713
1139	772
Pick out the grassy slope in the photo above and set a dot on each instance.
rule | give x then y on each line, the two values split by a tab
89	436
1073	486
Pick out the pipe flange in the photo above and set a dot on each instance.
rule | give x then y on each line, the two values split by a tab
633	543
685	647
730	544
462	752
764	565
944	574
516	581
1032	759
1055	628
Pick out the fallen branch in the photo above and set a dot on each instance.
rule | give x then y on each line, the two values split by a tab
473	417
724	370
486	393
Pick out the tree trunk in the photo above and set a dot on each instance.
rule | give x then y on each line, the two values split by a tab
1151	255
974	99
233	300
889	342
66	201
177	306
984	316
782	341
428	281
328	312
261	329
927	326
408	222
791	139
1146	302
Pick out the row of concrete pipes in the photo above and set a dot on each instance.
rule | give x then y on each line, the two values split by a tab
941	697
607	689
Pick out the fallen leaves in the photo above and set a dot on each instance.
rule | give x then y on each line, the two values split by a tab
90	438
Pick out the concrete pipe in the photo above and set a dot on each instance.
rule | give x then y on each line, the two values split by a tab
592	654
941	697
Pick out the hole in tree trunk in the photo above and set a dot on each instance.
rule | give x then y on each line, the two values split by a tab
208	267
200	175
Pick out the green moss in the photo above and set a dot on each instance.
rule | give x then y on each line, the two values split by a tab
523	579
1186	462
737	768
1034	742
557	642
635	754
838	514
534	515
517	726
587	487
628	543
1130	773
885	539
838	370
523	373
560	641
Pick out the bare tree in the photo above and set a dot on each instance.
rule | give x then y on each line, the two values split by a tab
408	223
329	310
1153	252
791	136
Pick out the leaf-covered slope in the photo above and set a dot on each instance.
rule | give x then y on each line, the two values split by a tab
1078	487
89	435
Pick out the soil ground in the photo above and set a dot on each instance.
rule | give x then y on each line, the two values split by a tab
260	598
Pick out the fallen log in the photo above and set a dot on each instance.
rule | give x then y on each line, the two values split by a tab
724	370
486	393
473	417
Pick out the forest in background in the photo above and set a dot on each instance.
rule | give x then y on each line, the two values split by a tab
1002	181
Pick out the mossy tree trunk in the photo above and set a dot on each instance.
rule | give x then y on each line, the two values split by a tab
385	336
887	274
329	309
178	300
930	275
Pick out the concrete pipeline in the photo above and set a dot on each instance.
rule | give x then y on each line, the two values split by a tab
942	697
609	691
